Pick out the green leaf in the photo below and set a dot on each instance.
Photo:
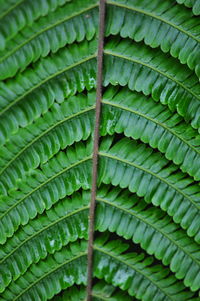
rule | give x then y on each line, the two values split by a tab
107	292
46	69
125	214
65	222
194	4
40	101
62	175
51	133
62	270
150	71
69	24
7	6
140	117
136	273
73	293
99	141
136	167
25	13
101	291
163	25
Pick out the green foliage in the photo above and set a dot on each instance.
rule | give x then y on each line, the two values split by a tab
135	273
163	25
147	218
119	211
157	126
37	239
50	276
194	4
136	167
150	71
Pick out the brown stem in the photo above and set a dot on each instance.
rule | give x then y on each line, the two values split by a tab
96	146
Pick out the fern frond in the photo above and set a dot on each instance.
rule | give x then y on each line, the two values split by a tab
127	215
99	150
40	141
152	72
101	292
141	118
135	273
46	69
106	292
25	13
40	101
62	175
135	166
73	22
7	6
164	25
194	4
48	277
43	235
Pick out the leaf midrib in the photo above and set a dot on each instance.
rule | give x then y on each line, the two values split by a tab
103	154
128	109
139	216
10	8
44	133
110	52
101	250
44	183
141	11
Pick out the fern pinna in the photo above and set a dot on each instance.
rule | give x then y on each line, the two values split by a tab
99	150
